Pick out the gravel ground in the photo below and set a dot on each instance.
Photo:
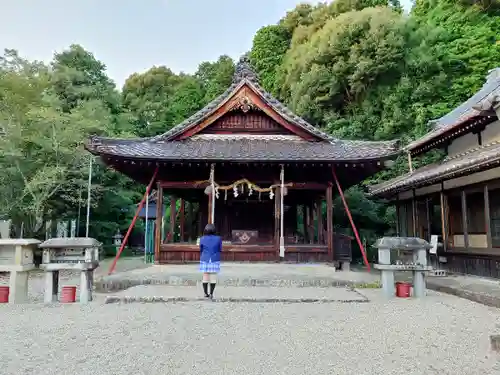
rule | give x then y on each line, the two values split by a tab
440	334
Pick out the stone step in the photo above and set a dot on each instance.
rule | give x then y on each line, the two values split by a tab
165	294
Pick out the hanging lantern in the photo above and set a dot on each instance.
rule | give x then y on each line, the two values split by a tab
225	194
217	192
250	190
271	194
235	191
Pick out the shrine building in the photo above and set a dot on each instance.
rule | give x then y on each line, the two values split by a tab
458	198
252	167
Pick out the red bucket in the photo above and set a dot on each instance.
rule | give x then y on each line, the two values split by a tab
403	290
68	294
4	294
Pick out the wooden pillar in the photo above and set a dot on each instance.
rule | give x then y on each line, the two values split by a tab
398	223
181	220
319	219
277	216
210	218
444	218
329	221
464	219
171	233
200	220
487	219
414	213
311	223
428	217
159	221
190	221
304	224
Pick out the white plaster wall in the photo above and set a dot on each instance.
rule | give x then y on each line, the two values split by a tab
491	133
463	143
475	240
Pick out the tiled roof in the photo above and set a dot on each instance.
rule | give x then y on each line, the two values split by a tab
458	165
244	75
243	148
464	112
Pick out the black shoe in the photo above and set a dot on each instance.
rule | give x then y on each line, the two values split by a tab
207	296
211	296
205	289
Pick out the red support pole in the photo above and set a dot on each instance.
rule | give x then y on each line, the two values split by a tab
139	208
348	212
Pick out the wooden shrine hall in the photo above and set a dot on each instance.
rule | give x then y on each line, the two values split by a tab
256	170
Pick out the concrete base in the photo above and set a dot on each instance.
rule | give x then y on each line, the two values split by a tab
18	285
345	266
52	286
495	343
238	274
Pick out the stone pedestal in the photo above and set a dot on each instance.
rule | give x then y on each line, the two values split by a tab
418	247
80	254
17	258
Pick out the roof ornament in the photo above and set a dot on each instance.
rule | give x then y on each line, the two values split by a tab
493	75
244	70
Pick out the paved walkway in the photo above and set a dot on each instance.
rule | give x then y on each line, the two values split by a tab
238	274
167	293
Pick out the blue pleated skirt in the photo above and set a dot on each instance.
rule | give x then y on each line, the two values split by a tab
210	267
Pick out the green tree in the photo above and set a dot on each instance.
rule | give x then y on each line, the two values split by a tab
270	45
215	77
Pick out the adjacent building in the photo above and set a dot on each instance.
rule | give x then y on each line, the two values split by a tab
459	197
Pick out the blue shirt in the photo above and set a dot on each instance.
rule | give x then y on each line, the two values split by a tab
210	248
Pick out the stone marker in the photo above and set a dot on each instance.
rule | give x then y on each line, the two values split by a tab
78	253
17	258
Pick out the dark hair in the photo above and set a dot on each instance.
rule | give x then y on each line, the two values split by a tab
209	230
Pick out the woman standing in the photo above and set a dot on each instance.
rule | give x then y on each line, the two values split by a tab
210	249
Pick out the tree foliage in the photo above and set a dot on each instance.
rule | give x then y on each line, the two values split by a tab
359	69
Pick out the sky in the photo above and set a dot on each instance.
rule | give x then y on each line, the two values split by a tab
133	35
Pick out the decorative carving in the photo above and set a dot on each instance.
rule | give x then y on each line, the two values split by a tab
244	237
244	104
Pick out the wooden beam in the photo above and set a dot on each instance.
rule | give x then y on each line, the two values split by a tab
464	219
158	222
198	185
329	221
487	218
182	220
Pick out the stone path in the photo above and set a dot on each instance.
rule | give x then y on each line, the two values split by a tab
165	293
238	274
